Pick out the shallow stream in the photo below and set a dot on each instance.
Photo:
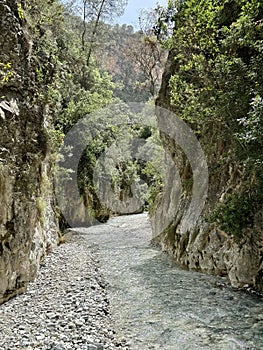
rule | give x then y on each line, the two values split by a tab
158	305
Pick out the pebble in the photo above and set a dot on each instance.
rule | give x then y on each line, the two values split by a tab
66	308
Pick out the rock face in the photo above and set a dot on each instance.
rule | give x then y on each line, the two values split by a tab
28	226
203	246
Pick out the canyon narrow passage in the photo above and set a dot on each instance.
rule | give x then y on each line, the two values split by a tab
157	305
108	288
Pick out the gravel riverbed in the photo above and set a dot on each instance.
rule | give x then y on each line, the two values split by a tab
65	308
109	288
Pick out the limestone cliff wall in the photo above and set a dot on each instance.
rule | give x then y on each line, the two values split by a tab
28	228
204	247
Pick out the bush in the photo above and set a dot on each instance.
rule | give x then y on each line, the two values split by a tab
235	214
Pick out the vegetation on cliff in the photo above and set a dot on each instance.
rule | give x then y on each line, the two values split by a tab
82	65
217	88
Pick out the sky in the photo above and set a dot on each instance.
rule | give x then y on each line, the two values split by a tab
134	6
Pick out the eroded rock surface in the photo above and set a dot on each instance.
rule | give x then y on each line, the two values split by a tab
202	246
27	221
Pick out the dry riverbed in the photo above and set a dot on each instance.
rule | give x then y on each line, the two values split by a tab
66	308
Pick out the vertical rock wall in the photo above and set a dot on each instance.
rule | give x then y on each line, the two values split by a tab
204	247
28	228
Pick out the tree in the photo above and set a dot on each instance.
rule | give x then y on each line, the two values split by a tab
72	89
92	13
148	57
111	55
104	9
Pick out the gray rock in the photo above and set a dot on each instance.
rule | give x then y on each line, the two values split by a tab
28	229
47	316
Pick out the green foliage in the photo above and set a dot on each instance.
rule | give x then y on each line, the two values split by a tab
252	131
5	72
127	170
78	101
154	179
235	214
20	9
217	88
68	89
56	137
218	51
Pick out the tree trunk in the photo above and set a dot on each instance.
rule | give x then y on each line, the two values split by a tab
94	32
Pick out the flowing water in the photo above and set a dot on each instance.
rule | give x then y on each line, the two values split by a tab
158	305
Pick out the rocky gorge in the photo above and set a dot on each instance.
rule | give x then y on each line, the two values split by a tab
29	222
